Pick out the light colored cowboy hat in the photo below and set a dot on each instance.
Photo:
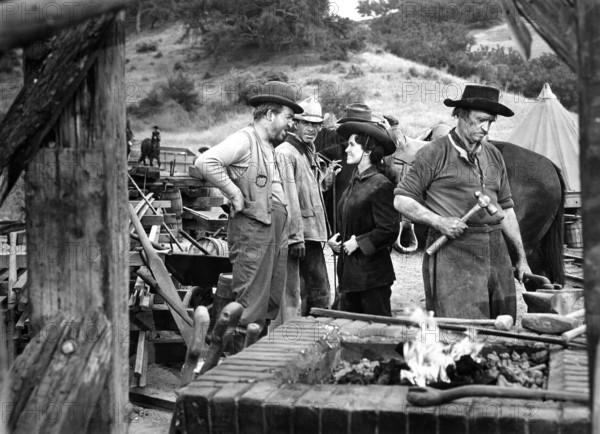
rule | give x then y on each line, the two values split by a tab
277	92
359	112
483	98
313	112
371	129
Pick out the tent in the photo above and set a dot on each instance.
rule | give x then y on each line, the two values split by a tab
551	130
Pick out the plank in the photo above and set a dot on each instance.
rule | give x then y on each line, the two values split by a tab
165	285
152	398
56	370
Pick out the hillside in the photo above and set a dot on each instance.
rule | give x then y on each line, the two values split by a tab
412	92
500	36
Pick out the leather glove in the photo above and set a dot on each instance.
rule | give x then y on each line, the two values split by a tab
297	250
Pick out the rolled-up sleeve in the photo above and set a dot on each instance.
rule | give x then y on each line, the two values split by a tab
419	177
504	194
213	164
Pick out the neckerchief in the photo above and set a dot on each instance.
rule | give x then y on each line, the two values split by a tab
471	155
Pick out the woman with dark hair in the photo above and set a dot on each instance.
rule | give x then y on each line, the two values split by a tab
367	221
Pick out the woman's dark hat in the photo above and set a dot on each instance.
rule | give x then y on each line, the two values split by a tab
478	97
358	112
277	92
371	129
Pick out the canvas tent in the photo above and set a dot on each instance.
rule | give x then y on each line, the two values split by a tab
551	130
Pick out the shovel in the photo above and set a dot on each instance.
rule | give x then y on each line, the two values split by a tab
426	396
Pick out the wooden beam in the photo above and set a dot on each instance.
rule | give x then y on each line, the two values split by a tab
77	196
588	16
29	21
517	28
40	379
4	379
44	96
556	22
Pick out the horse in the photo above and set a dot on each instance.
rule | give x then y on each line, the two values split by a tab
151	149
537	187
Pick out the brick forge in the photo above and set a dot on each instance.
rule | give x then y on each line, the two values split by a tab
274	387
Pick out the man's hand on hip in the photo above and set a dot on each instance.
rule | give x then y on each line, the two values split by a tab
297	250
236	203
452	227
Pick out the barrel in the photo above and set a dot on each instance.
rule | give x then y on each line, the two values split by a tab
574	234
214	246
223	296
176	208
174	195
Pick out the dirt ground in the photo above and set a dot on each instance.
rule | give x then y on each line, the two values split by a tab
407	293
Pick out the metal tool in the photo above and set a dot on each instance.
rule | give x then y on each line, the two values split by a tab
483	202
426	396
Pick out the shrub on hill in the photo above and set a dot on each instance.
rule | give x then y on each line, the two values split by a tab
273	25
178	89
448	46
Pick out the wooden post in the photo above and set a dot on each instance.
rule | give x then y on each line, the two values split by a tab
76	198
3	373
588	14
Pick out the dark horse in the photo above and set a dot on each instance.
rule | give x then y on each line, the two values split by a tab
538	192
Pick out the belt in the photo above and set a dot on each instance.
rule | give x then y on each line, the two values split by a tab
483	227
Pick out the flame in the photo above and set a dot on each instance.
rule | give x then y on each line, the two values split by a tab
428	357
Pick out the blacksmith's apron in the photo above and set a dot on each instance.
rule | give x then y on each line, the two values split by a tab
470	276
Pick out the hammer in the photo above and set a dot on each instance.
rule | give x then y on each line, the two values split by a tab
502	322
483	202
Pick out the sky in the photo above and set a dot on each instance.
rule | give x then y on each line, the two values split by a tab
345	8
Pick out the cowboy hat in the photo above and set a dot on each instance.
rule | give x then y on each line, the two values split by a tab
277	92
358	112
483	98
372	130
312	111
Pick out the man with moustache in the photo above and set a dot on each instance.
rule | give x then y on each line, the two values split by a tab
248	172
307	283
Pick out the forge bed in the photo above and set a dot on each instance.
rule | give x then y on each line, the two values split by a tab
274	387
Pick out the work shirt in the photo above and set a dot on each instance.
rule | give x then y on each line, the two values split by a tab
242	162
307	178
444	179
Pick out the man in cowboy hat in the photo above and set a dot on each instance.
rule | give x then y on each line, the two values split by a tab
307	283
246	169
471	276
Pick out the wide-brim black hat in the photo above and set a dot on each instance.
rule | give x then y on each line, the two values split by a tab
483	98
373	130
277	92
359	112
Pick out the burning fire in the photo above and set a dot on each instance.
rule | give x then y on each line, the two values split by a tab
428	357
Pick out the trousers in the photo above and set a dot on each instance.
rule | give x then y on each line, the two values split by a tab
258	254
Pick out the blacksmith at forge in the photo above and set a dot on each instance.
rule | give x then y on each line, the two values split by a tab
471	276
248	172
307	284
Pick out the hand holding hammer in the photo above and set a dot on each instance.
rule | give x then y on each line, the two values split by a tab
483	202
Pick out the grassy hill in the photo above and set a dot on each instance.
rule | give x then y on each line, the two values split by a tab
500	36
412	92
